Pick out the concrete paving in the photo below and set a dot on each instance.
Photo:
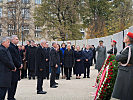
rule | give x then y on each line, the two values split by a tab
74	89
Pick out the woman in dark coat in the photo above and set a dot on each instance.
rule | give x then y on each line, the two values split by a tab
60	55
68	61
79	64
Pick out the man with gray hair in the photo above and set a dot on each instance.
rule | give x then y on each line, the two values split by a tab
40	67
15	53
54	63
6	67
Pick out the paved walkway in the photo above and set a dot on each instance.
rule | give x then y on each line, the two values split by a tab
68	89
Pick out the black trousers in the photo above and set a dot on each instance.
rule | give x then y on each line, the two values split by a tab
68	72
39	83
12	90
47	70
63	70
87	66
94	58
31	73
78	74
53	75
3	91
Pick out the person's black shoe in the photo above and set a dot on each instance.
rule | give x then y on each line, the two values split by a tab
41	92
88	76
11	99
55	83
53	86
33	78
84	77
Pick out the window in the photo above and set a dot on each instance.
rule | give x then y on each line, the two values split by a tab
37	28
37	31
26	13
25	29
11	12
11	29
0	29
38	1
1	0
25	1
0	12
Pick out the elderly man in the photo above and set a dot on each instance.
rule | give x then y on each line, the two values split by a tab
88	55
6	67
54	63
40	67
47	50
15	53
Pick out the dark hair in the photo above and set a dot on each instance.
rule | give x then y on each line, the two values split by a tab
131	39
32	41
62	44
59	46
53	43
29	41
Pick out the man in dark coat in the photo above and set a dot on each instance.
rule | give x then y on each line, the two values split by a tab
54	63
94	54
68	61
113	50
47	50
40	67
123	88
26	67
30	58
6	67
15	53
88	55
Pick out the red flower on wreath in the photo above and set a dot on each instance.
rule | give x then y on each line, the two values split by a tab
112	67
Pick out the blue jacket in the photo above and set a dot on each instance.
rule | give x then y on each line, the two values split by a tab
88	55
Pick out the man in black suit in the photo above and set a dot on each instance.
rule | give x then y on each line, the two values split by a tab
6	67
40	67
26	48
54	63
47	50
13	48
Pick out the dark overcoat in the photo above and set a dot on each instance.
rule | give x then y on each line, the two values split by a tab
123	88
88	55
40	62
54	57
6	65
30	57
79	66
15	53
68	58
47	50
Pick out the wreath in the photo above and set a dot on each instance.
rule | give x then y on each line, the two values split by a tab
106	79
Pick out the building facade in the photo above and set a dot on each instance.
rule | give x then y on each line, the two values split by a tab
16	18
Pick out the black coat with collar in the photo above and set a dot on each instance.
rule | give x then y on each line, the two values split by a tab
15	53
47	50
40	62
54	57
68	58
6	65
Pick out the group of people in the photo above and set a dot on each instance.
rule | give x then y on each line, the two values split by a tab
41	60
